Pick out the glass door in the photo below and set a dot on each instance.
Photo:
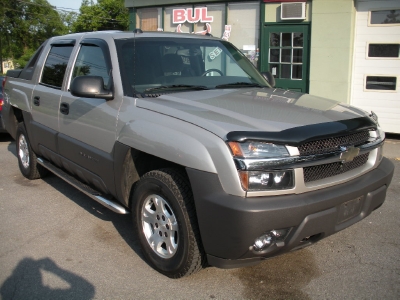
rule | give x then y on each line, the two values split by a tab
285	54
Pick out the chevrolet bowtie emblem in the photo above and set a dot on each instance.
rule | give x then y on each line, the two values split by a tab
348	153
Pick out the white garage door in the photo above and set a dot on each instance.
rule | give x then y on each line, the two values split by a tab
376	73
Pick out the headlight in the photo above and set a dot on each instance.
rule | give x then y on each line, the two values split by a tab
255	149
266	180
262	180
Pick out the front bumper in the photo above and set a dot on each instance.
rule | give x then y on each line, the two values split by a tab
230	224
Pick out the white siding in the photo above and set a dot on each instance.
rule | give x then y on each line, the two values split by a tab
386	104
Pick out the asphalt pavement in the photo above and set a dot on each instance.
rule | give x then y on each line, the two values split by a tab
56	243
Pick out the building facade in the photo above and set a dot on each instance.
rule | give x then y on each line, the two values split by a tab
346	50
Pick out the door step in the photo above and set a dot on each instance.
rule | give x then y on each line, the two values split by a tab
87	190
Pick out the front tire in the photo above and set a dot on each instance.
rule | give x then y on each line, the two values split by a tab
165	221
27	159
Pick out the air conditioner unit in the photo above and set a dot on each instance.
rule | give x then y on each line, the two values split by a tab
293	11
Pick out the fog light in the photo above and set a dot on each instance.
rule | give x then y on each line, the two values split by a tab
264	241
270	238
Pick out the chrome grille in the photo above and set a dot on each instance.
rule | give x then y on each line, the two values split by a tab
333	144
314	173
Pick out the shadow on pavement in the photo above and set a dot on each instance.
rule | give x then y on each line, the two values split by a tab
122	223
6	138
28	282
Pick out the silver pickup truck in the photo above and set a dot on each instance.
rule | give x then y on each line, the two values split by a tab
215	165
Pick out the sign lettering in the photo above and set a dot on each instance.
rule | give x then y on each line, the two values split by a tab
178	16
198	14
216	52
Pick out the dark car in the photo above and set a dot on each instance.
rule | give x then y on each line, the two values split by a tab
2	127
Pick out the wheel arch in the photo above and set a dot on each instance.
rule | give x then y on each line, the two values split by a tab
131	164
13	117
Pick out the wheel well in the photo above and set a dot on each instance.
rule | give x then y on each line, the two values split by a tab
18	118
138	163
146	162
18	115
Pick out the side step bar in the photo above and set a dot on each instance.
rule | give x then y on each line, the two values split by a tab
109	203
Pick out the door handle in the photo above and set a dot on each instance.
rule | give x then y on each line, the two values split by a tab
36	100
64	108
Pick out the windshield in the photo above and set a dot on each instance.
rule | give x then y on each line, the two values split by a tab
156	66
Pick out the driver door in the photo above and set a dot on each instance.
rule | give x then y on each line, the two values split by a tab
88	125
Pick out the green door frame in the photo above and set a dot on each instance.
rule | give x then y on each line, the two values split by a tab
290	62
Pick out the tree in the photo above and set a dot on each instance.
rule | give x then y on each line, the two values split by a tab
25	25
104	15
68	18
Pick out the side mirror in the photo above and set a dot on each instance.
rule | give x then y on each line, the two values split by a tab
90	87
269	77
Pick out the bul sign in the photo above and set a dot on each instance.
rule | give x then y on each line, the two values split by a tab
196	15
191	15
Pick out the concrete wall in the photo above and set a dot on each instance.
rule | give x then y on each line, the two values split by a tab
331	51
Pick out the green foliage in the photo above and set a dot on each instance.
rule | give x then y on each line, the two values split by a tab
20	62
104	15
25	25
68	19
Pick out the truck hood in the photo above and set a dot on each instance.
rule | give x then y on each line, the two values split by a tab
262	113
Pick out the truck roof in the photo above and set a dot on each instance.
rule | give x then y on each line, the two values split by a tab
115	34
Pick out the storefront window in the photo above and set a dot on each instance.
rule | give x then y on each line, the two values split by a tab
244	19
217	12
171	26
149	19
242	28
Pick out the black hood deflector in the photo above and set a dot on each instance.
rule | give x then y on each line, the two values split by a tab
302	134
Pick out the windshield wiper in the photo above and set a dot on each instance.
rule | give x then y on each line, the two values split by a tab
239	84
176	87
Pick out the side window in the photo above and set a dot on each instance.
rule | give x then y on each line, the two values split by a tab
91	61
56	64
27	72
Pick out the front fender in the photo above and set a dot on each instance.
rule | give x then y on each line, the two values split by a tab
180	142
167	143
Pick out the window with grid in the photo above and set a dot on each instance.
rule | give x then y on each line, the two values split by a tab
286	55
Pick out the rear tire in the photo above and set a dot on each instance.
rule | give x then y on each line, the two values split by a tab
27	159
165	221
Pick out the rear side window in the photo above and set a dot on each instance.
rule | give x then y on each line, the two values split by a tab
56	64
91	62
27	72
